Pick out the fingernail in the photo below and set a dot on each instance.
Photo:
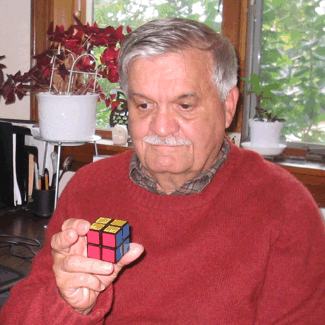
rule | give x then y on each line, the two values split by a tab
135	251
107	267
70	233
84	224
102	287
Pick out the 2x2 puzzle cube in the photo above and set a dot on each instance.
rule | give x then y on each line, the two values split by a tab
108	239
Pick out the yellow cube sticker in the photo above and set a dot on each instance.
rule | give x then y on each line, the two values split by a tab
97	226
111	229
118	223
103	220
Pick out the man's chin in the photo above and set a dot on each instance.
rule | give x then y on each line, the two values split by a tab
164	166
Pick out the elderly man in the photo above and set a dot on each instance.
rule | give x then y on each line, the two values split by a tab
228	237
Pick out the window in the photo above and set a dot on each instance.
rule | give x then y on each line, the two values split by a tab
233	26
287	46
133	13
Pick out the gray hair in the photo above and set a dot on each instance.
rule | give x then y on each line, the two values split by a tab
165	35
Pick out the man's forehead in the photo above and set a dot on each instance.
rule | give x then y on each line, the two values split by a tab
174	75
193	95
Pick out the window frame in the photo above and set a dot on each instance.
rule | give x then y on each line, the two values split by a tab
253	65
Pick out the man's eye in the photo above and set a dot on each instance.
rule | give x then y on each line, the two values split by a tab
186	106
143	106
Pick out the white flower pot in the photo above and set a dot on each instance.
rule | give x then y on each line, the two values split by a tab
265	134
67	117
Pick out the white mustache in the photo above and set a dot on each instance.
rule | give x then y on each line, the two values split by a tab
170	140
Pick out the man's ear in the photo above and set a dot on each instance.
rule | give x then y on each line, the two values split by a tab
230	105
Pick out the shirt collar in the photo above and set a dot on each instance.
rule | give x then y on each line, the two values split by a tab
192	186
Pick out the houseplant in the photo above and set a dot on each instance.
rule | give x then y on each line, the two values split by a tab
69	71
267	124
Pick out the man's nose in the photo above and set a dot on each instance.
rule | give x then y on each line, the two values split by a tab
164	122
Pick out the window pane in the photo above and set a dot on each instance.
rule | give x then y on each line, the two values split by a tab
293	54
133	13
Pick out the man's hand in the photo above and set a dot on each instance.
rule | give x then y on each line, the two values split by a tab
81	279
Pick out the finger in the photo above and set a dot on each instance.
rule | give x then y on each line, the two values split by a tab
80	225
81	280
71	230
62	241
80	264
136	250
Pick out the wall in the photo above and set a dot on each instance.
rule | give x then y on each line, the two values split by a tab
15	45
15	21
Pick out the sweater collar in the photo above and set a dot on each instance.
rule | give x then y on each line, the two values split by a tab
192	186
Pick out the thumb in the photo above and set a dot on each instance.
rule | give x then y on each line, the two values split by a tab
136	250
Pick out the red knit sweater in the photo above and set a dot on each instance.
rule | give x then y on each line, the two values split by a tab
249	249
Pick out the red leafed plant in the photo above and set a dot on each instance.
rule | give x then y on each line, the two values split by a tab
52	69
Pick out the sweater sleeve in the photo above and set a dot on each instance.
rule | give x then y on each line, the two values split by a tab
36	299
296	266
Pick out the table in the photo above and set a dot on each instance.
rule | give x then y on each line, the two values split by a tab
20	222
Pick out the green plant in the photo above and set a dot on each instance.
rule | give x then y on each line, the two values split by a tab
266	109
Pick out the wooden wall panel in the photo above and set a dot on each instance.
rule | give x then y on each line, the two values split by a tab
63	11
313	179
41	17
234	27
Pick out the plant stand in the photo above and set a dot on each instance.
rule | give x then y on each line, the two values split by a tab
59	144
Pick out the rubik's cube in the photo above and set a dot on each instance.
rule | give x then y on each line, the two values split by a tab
108	239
